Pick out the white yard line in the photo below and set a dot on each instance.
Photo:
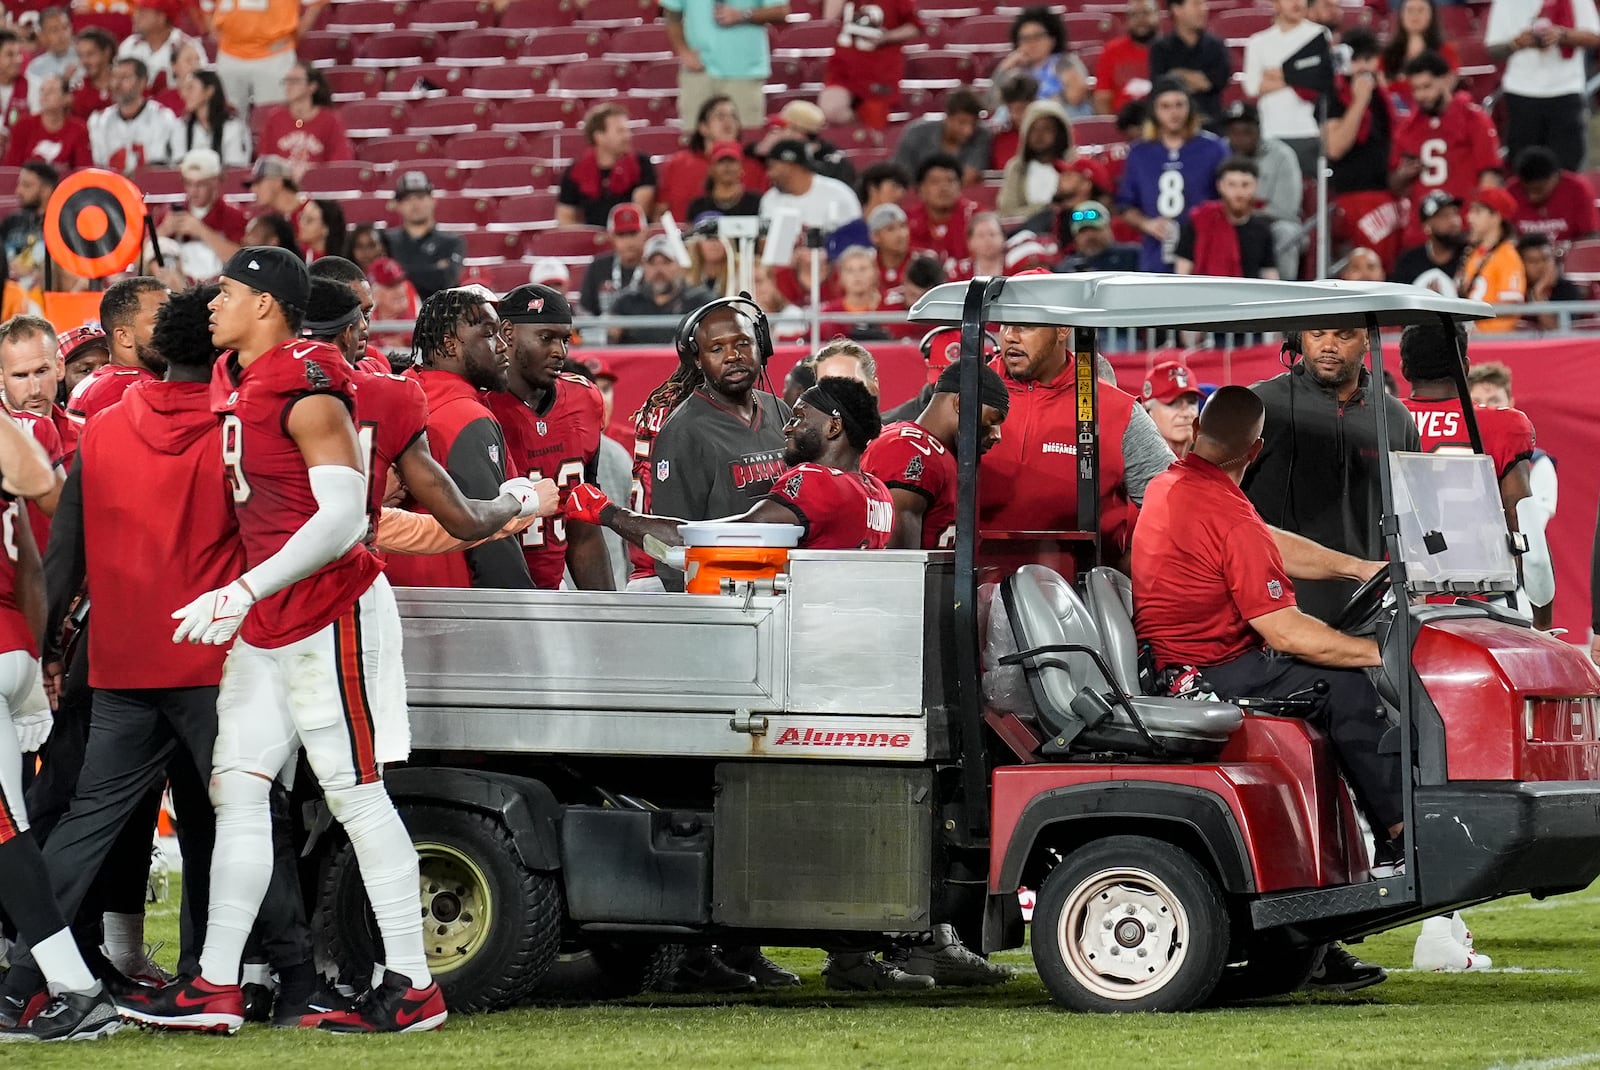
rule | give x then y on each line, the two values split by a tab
1558	1062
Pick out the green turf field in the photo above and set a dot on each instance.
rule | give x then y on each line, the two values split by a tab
1542	1013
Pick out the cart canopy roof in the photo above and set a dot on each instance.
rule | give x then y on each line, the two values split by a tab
1197	302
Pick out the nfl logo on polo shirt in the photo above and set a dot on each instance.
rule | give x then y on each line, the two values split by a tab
1275	589
661	470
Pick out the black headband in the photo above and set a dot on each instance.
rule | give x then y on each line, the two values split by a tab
818	398
991	388
330	328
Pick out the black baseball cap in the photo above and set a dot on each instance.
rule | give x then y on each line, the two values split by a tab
1242	111
273	271
1436	202
789	151
533	303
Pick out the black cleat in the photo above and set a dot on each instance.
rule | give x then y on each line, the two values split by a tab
322	1005
768	974
69	1016
1340	971
393	1007
702	970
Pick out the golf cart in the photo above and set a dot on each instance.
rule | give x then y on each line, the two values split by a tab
817	758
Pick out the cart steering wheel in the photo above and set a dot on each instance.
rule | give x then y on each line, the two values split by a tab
1365	603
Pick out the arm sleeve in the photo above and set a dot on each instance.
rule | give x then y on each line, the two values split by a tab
64	562
568	193
337	525
474	463
1185	247
1145	454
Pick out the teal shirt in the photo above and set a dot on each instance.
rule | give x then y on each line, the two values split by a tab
727	51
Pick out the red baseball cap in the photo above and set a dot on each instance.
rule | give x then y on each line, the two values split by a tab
1093	170
600	368
1497	201
942	345
726	150
625	218
1169	381
80	340
386	272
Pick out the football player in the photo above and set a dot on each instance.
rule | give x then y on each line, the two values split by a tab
128	316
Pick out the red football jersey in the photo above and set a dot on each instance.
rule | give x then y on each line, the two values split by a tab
272	488
1454	148
103	388
644	437
562	443
391	414
1507	434
906	457
947	239
49	436
877	70
839	510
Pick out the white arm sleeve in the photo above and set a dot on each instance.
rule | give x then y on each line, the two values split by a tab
1538	574
338	523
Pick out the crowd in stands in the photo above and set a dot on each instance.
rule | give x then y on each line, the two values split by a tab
927	141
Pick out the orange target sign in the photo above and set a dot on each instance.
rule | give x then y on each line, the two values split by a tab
94	223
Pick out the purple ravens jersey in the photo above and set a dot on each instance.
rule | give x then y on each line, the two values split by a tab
1162	182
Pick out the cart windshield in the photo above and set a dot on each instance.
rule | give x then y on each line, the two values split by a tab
1453	535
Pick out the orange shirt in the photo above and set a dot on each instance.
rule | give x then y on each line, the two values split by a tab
1495	276
255	29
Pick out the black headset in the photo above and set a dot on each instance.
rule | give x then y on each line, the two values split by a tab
689	347
926	345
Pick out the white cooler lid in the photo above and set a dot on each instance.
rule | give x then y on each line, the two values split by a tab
724	533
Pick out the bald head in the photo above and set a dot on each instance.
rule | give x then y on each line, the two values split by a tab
1230	426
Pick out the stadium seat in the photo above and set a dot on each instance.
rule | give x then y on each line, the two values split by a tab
504	276
800	72
482	48
397	48
1095	130
556	148
938	70
372	118
463	214
1235	26
160	185
488	146
851	137
613	12
353	83
591	80
1582	262
340	181
515	83
1085	26
534	114
359	17
568	44
647	110
448	115
571	245
490	246
509	178
323	49
525	212
384	152
541	15
452	16
796	40
446	174
368	208
986	33
658	142
1458	23
415	82
637	44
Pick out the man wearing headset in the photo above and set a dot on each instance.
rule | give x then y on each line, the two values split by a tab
1317	475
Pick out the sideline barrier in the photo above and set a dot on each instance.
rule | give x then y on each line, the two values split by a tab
1547	379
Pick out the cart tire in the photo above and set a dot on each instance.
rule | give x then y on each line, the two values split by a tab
1130	923
490	927
608	969
1274	967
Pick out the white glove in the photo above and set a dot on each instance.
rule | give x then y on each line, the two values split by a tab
215	616
32	729
533	499
864	36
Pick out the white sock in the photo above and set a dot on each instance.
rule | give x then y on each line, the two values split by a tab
58	959
241	868
388	869
124	940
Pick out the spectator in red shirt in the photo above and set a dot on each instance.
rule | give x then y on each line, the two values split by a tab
321	230
1447	142
276	184
681	178
1006	133
55	135
305	128
205	121
13	86
862	81
1123	73
891	237
92	89
939	221
607	173
208	229
856	271
1558	204
726	190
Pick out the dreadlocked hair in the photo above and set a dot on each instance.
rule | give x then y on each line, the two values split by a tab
670	394
441	314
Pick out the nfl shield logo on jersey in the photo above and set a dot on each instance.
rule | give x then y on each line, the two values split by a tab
661	470
1274	589
542	427
494	453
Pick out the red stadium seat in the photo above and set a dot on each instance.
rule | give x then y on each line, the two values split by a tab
528	115
613	12
569	244
448	115
1582	262
569	44
353	83
524	212
515	83
368	208
365	16
1239	24
341	181
986	33
852	137
799	72
501	277
639	43
591	80
397	48
650	109
658	142
798	39
160	185
372	118
938	70
452	16
509	178
1095	130
539	15
1458	23
463	214
482	48
492	246
383	152
471	150
322	49
556	148
415	82
1085	26
446	174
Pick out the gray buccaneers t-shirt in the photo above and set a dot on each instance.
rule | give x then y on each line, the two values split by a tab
708	463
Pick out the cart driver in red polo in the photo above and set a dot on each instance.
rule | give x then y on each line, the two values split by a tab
1029	479
1213	590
